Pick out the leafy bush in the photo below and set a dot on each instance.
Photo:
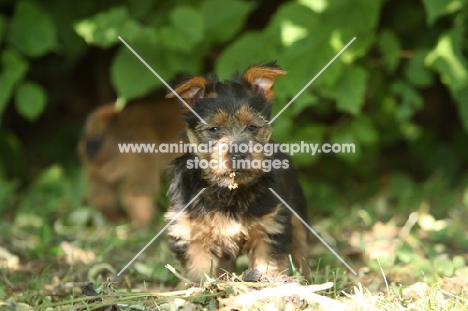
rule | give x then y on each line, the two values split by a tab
407	65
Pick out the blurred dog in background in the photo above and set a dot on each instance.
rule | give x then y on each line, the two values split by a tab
125	184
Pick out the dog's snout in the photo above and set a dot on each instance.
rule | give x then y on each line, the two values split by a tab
238	151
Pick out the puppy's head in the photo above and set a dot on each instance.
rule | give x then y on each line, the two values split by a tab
236	114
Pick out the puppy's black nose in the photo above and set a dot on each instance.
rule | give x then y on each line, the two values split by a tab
238	156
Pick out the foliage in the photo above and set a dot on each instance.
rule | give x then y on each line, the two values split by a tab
31	33
370	96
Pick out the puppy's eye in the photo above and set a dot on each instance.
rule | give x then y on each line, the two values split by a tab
252	128
214	130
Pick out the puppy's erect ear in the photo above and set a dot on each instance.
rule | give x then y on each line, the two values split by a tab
264	77
190	90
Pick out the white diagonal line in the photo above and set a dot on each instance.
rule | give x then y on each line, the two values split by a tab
313	231
313	79
159	77
159	233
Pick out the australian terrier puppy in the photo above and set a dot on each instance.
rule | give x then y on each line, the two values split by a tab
124	184
236	213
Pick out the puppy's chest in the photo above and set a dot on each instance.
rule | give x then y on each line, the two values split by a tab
219	228
222	234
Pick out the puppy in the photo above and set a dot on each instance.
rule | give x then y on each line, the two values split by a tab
128	178
233	210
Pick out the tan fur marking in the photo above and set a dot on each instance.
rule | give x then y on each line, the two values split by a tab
139	207
181	227
219	119
258	244
190	91
134	177
264	78
220	156
245	116
104	196
199	262
300	247
211	236
192	137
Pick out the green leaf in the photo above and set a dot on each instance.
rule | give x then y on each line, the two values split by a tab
103	29
64	13
14	66
437	8
282	128
180	62
140	8
223	19
189	21
350	90
305	100
249	49
130	77
343	137
408	129
313	59
316	6
303	21
291	33
448	59
30	100
174	39
411	101
390	47
353	17
363	129
416	71
32	30
309	133
14	69
306	134
347	19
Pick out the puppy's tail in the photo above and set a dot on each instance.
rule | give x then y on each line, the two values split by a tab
94	132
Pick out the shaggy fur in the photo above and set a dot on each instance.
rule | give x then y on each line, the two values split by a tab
125	184
237	213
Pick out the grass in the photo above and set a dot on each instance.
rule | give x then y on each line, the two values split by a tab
408	247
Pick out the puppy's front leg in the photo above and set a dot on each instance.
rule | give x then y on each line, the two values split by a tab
188	240
199	262
269	241
263	258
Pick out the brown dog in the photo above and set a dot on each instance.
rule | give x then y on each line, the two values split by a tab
129	179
